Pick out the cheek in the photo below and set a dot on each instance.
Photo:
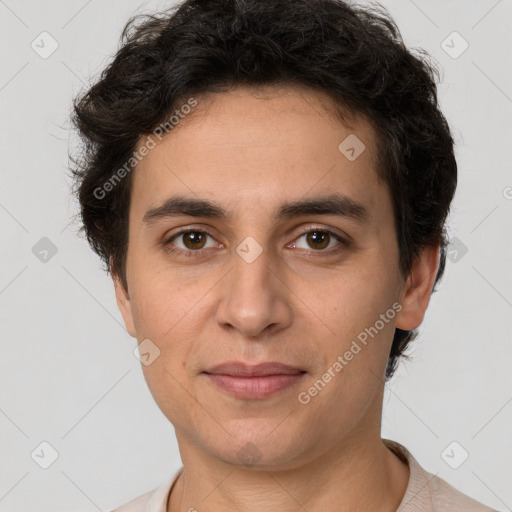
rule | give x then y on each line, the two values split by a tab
172	310
357	306
162	300
354	357
351	299
166	312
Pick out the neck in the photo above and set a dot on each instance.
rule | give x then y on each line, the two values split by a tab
358	474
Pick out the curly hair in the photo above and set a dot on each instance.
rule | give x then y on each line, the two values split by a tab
355	54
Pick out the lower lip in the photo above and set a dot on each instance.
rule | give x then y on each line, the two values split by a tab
254	387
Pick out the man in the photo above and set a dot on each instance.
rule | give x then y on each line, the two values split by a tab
268	184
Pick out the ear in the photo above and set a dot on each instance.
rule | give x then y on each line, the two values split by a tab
123	302
416	291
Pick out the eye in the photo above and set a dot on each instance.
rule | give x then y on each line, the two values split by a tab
192	240
189	242
321	240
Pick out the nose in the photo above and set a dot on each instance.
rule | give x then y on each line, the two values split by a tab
255	299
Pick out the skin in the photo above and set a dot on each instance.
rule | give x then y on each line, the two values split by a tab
250	151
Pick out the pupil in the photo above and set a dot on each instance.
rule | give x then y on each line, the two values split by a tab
323	236
194	237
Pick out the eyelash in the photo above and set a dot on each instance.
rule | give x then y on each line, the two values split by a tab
194	253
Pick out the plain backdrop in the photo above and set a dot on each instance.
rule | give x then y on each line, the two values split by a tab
68	375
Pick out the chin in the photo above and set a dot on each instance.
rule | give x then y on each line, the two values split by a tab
262	448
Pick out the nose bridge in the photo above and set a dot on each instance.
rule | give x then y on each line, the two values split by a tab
251	272
252	300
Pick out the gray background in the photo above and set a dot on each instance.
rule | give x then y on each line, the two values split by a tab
68	375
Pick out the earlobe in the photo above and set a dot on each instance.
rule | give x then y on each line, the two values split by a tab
124	303
417	289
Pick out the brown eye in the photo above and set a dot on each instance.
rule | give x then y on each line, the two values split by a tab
321	240
189	241
318	239
194	239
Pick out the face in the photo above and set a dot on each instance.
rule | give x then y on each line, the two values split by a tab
253	280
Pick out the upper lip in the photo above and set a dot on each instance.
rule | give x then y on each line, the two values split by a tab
238	369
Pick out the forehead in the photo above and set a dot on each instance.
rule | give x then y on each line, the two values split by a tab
255	148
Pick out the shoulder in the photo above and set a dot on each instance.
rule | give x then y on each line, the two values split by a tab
446	497
138	504
151	501
427	492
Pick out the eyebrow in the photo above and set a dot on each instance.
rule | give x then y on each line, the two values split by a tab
335	204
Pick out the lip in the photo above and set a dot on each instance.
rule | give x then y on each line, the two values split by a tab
238	369
254	381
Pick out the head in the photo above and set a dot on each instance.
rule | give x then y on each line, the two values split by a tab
301	148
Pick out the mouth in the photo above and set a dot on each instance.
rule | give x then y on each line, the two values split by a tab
254	381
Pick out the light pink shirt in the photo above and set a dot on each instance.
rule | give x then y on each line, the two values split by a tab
425	492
